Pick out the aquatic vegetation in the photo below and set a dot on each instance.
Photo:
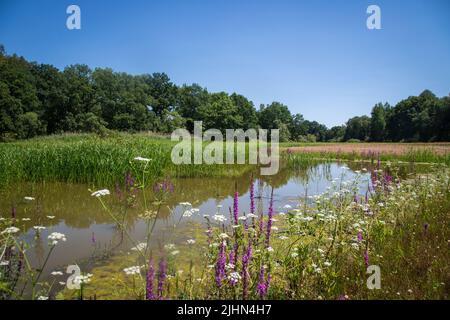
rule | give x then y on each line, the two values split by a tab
316	247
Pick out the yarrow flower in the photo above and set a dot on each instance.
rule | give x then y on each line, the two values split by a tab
190	241
29	198
55	237
101	193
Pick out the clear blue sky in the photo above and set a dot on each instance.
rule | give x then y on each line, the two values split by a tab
317	57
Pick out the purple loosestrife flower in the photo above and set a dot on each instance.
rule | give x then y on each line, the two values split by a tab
360	237
263	284
161	277
269	220
236	207
245	275
93	238
220	265
252	196
150	279
366	258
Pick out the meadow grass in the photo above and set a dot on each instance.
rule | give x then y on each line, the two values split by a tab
407	152
92	159
89	158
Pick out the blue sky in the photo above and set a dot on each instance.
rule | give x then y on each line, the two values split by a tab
315	56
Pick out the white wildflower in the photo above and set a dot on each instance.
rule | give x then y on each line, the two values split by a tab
55	237
219	218
140	247
10	230
134	270
142	159
101	193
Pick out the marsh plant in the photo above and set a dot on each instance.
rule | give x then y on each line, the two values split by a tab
316	247
319	247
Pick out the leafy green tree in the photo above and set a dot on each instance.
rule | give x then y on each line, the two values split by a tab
246	110
358	128
220	113
271	116
335	134
190	100
163	91
378	122
29	125
299	127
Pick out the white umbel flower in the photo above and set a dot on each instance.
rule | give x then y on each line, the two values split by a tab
10	230
55	237
101	193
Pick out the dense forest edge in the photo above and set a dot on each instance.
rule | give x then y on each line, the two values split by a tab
39	99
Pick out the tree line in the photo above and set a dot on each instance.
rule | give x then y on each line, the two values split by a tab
39	99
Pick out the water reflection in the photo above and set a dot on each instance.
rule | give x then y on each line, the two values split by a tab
69	208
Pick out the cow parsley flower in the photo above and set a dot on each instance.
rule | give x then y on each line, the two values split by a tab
101	193
139	247
131	271
82	279
142	159
55	237
29	198
219	218
10	230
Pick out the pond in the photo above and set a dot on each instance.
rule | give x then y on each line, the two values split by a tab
91	232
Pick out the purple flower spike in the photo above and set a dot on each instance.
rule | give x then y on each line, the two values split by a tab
245	275
360	237
150	279
252	196
263	285
220	265
162	277
366	258
236	207
269	220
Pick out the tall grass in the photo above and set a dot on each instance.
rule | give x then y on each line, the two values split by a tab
92	159
413	155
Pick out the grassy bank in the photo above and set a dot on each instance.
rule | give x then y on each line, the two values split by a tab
95	160
407	152
85	158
